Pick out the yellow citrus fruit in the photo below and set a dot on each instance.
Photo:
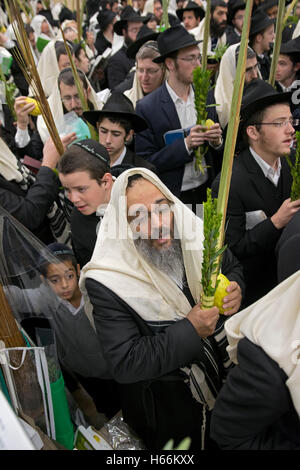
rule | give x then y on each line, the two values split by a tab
36	111
209	123
221	292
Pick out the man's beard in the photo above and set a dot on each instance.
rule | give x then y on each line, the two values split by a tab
217	29
168	260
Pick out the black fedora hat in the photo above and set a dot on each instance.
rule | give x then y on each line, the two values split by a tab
190	7
259	22
104	18
258	95
173	39
118	105
145	34
128	14
291	47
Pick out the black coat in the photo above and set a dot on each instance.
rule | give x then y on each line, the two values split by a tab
160	113
101	43
255	248
288	249
30	208
118	67
264	66
254	410
146	359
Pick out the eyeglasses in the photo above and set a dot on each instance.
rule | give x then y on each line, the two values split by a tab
193	59
148	71
292	122
68	99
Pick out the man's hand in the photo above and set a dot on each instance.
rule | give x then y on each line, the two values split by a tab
50	153
22	109
3	39
200	134
233	300
285	212
204	321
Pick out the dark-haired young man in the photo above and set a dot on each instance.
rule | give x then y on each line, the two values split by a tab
259	204
117	122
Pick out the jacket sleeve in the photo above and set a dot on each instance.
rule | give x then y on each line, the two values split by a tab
251	404
232	269
149	145
244	242
132	356
32	208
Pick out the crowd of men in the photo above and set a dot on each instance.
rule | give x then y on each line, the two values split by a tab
168	365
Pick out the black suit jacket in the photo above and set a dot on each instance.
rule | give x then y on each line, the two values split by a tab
160	113
118	67
254	410
255	248
288	249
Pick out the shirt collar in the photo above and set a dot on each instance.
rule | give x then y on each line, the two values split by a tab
175	98
268	171
121	157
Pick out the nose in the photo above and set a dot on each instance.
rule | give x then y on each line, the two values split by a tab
74	196
64	283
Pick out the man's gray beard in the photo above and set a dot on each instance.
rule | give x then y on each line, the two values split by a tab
168	260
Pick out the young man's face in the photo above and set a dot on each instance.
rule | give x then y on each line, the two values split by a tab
150	214
63	62
149	74
238	20
113	137
272	12
132	30
286	70
158	10
189	20
183	66
83	63
70	98
272	140
220	16
63	280
86	193
268	37
251	70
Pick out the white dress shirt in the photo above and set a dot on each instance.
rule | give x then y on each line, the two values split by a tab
269	172
192	177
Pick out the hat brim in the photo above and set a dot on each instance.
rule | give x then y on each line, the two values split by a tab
121	24
138	123
134	47
175	48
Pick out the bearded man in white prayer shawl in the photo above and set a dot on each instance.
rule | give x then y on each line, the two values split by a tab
259	406
142	287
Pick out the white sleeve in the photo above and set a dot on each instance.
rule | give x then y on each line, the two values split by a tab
22	138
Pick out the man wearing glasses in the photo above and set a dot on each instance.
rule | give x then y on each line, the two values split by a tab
171	107
259	204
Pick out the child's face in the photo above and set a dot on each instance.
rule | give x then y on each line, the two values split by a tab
62	278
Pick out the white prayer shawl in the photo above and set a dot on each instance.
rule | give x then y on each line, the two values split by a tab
225	83
57	110
296	32
273	323
48	68
136	92
9	167
36	24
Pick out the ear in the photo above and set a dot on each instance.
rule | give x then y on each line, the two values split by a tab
88	92
78	270
170	64
109	180
252	132
129	136
297	66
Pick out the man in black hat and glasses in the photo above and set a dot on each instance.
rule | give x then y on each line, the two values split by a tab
119	64
171	107
259	204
